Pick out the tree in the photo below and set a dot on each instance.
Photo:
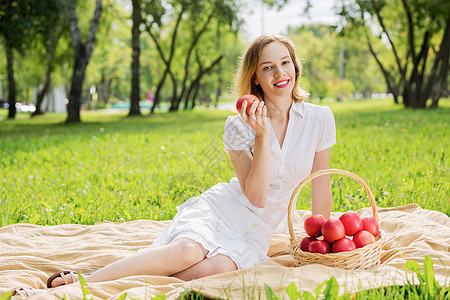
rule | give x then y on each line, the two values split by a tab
319	48
153	26
320	63
193	18
82	55
20	22
50	35
109	68
135	34
417	69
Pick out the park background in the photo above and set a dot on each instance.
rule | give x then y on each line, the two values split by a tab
117	152
170	55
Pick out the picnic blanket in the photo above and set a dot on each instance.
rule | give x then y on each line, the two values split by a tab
30	253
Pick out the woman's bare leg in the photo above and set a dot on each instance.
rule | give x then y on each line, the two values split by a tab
165	260
209	266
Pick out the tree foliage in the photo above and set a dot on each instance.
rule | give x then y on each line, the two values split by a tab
178	30
20	23
319	48
410	41
109	68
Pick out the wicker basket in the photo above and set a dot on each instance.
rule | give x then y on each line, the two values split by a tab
361	258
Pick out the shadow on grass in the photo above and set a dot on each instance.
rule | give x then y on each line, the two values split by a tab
95	123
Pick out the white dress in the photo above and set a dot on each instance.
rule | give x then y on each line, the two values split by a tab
223	220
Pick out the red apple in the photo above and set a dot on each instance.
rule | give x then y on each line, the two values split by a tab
313	225
344	244
352	223
304	243
319	246
363	238
249	98
333	230
370	224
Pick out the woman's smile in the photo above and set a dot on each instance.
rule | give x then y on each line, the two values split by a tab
282	83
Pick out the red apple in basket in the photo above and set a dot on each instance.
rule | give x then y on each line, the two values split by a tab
249	98
319	246
363	238
314	224
370	224
352	223
344	244
333	230
304	243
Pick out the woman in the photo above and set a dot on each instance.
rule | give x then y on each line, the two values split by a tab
280	142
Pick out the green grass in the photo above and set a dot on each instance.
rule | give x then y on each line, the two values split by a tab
112	167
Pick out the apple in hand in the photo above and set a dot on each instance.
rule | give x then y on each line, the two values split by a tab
249	98
319	246
344	244
304	243
352	223
370	224
333	230
314	224
363	238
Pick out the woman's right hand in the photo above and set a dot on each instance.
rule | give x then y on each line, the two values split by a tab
253	169
257	118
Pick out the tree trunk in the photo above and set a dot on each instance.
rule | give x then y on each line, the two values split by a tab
107	92
437	88
196	83
157	96
193	87
40	97
195	38
167	61
392	86
219	70
74	105
82	53
45	88
219	86
197	88
11	83
174	104
135	33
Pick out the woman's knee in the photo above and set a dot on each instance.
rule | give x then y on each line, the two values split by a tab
189	252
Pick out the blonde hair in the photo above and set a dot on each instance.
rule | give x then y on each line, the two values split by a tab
246	74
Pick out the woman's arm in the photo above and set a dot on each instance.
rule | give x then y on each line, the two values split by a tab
320	187
253	172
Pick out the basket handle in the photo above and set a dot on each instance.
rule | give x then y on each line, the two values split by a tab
316	174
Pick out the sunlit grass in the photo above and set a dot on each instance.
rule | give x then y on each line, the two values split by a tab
112	167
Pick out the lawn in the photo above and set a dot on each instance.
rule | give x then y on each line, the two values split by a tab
112	167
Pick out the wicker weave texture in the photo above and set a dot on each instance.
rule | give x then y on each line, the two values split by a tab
362	258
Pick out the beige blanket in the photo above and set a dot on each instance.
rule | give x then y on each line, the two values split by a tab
30	253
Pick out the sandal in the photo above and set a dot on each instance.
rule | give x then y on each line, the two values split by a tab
24	292
62	274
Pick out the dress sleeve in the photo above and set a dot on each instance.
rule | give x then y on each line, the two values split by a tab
237	134
327	136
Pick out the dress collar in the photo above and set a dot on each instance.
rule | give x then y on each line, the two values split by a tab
298	107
